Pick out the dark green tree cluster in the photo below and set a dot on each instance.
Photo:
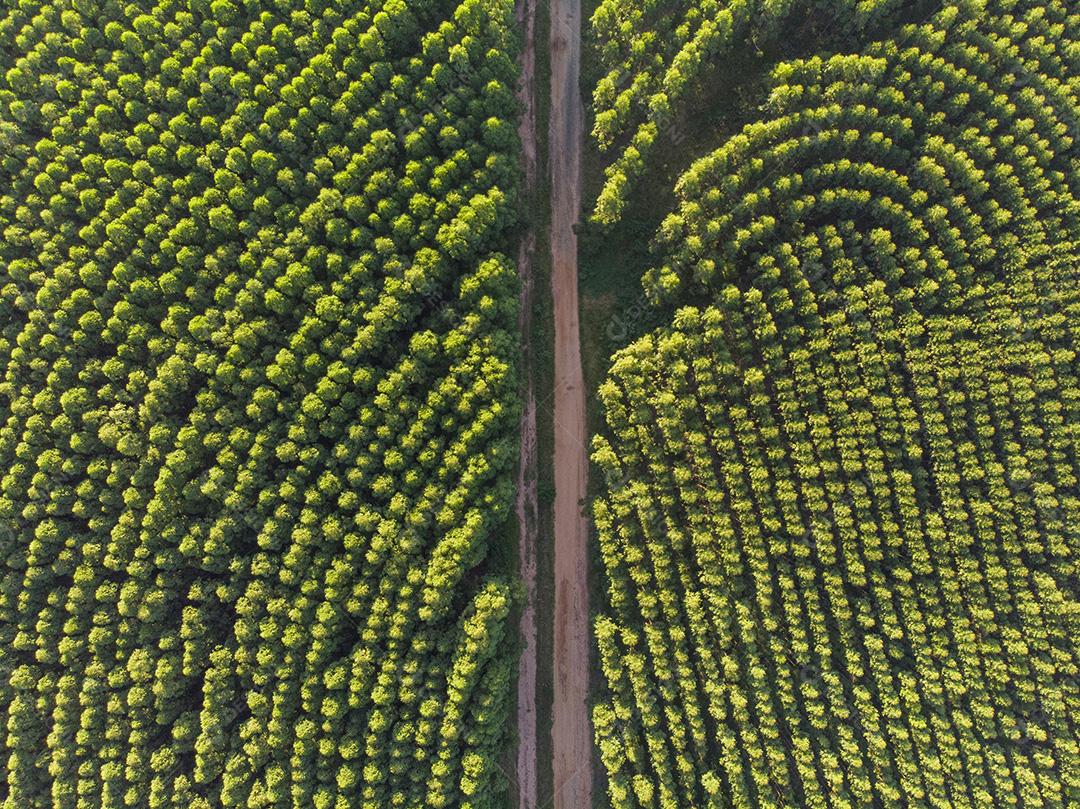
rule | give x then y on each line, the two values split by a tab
257	402
841	525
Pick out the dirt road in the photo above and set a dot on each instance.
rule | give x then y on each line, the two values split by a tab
571	730
527	501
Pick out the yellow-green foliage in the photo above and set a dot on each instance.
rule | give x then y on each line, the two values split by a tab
656	52
842	512
257	402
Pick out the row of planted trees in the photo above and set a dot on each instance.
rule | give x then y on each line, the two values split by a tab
257	402
657	57
840	519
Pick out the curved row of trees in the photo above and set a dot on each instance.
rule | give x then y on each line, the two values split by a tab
257	402
840	525
656	53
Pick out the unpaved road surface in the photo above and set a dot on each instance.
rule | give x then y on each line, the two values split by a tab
525	766
571	730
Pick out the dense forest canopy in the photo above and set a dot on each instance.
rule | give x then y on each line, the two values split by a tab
257	402
841	518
